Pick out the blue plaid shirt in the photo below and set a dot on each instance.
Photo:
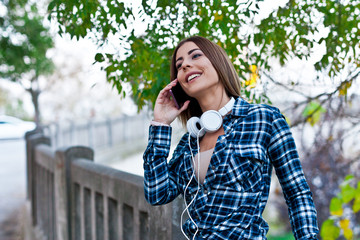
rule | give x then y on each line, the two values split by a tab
230	202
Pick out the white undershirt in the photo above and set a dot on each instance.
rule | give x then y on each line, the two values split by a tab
205	158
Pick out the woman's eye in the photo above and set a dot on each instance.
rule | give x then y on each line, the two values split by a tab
196	55
178	66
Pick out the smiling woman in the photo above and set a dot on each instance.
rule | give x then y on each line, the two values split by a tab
222	167
216	57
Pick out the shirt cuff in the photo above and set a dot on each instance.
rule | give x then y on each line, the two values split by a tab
155	123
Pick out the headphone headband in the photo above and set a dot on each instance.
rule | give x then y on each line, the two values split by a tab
224	110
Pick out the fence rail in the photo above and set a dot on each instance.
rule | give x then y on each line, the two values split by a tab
98	133
74	198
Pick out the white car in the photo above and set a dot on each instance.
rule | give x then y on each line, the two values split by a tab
14	128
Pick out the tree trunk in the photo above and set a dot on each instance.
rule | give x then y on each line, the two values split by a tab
35	99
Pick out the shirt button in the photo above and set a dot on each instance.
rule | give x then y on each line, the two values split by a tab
213	167
192	228
189	172
206	191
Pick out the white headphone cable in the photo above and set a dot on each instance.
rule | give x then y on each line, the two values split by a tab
198	181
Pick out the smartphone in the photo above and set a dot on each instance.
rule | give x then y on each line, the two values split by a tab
178	95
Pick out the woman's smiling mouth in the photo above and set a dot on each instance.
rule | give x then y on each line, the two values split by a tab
192	76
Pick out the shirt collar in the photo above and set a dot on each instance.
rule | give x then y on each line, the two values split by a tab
240	108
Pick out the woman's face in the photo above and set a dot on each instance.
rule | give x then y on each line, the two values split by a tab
195	72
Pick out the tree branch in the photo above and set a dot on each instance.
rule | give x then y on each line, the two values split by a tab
327	95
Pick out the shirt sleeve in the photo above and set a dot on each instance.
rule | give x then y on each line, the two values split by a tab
159	183
284	157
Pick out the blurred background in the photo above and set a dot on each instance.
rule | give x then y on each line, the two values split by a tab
69	64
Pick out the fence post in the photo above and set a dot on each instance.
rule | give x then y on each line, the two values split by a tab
33	139
63	187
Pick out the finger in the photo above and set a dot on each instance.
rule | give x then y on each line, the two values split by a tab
164	96
173	83
170	85
185	106
167	95
165	90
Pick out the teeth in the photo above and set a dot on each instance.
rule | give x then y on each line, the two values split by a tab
193	76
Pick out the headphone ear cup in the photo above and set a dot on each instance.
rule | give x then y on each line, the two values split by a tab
193	126
211	121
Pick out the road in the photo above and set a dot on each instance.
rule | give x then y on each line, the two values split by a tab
12	177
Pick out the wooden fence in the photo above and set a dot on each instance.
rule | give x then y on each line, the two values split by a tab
73	198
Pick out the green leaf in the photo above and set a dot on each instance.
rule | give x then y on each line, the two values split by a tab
51	5
329	231
349	177
312	112
336	206
356	205
99	57
347	193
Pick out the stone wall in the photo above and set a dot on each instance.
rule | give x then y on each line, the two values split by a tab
71	197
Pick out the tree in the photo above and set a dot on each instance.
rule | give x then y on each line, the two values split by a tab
12	105
24	43
331	152
256	43
143	60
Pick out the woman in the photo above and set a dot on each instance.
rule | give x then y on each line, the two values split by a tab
233	164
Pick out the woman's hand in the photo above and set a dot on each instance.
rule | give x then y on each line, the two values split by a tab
165	110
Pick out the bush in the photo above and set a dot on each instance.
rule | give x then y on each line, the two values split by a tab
343	207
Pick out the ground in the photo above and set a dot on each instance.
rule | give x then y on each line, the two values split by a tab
10	227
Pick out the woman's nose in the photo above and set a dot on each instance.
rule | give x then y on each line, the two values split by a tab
186	65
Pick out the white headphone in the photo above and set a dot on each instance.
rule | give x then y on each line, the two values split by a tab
210	121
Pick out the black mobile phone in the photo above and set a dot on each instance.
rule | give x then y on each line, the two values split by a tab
178	95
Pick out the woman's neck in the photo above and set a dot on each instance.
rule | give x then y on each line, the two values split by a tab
213	101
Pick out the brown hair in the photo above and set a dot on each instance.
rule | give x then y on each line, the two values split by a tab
227	74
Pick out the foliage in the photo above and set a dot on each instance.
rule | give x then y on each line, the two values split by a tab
299	27
24	42
142	59
338	224
312	112
146	63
